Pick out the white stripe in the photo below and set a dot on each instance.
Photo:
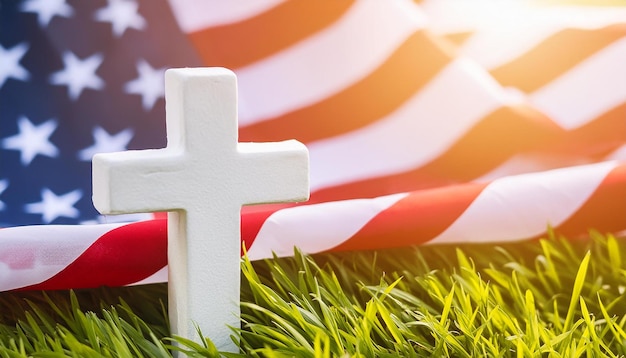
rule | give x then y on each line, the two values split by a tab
450	16
532	163
588	90
506	30
495	48
502	41
316	228
33	254
453	16
419	131
618	154
193	15
157	277
522	206
327	62
119	219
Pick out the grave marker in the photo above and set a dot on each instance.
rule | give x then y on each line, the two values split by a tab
202	177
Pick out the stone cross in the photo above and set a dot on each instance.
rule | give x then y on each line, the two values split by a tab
202	178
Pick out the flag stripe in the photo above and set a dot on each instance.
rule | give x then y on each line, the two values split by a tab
421	131
415	219
28	257
604	133
565	50
475	154
578	88
521	207
252	219
618	154
338	220
605	210
346	110
157	277
520	128
221	45
114	260
193	15
503	32
410	136
344	53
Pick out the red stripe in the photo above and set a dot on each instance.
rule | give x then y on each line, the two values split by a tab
604	134
500	135
120	257
399	78
604	211
252	219
242	43
556	55
416	219
135	251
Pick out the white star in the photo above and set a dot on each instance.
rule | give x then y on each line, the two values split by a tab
32	140
53	206
106	143
10	63
78	74
47	9
150	84
122	14
4	184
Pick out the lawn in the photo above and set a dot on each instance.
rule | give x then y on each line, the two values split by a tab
551	297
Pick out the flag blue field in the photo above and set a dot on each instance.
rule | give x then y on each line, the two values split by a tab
77	78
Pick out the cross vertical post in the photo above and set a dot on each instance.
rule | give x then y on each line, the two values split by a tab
202	178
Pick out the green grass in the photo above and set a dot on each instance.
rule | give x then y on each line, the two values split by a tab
548	298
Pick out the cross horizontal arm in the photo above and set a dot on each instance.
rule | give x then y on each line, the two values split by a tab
137	181
279	172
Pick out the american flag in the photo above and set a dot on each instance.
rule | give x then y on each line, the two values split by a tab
433	122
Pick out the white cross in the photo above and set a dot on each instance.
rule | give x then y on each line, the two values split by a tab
203	178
